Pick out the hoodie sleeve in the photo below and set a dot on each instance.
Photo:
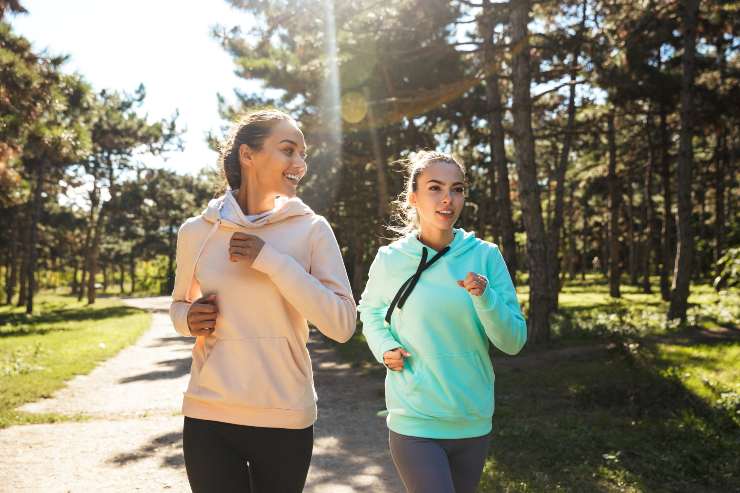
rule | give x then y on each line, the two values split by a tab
373	305
498	307
186	287
324	295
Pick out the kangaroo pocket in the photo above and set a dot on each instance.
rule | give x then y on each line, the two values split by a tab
254	372
450	386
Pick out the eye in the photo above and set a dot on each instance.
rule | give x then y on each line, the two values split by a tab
288	151
460	190
434	188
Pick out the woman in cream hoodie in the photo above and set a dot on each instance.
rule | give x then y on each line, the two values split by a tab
252	270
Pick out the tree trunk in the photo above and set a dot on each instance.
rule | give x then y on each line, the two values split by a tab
556	226
685	246
631	240
540	303
719	202
584	237
667	214
12	278
132	272
377	138
23	272
614	200
499	170
652	236
92	267
75	269
121	277
104	270
33	244
571	234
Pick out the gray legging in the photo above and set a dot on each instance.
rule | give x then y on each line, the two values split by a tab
432	465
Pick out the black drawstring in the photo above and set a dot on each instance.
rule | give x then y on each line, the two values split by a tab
408	286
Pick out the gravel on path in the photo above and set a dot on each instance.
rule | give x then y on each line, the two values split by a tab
133	439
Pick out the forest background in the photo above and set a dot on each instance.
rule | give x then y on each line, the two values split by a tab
600	139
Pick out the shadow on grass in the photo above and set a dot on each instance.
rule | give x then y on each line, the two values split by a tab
20	324
610	423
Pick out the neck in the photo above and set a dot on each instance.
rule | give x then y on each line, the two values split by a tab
252	200
436	239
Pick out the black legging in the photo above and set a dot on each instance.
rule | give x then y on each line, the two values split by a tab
225	458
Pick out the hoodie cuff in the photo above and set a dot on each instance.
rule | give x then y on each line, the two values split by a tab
487	300
268	260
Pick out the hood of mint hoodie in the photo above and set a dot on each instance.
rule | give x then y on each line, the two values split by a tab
446	389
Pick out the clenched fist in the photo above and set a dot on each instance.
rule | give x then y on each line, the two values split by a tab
393	360
244	247
202	316
474	283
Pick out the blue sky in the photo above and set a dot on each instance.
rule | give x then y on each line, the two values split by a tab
164	44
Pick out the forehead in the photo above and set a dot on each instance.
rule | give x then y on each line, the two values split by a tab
443	171
287	130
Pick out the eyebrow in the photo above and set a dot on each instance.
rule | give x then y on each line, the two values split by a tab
305	150
442	183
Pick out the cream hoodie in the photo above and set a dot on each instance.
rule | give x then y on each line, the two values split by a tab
255	369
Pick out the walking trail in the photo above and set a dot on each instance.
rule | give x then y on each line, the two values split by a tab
132	440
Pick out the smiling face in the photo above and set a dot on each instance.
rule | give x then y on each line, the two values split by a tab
439	196
278	166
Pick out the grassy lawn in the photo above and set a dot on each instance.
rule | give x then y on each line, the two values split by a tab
39	353
620	400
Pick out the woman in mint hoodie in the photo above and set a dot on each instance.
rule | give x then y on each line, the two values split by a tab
434	299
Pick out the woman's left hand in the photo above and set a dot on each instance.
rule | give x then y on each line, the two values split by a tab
474	283
244	247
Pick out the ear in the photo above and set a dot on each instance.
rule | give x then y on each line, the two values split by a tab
245	155
412	199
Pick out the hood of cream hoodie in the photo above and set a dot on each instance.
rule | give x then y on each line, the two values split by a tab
255	369
227	210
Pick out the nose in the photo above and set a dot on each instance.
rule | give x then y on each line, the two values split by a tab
300	162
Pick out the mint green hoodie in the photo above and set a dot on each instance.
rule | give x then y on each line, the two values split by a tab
446	387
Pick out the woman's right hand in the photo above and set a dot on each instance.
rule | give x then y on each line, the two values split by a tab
202	316
393	359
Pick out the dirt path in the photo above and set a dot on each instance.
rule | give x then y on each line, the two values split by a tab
132	440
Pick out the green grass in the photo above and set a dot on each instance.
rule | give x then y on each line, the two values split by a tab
653	406
620	400
64	338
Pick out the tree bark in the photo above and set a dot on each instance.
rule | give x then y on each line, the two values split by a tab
33	244
584	237
540	303
499	170
685	246
667	231
132	272
614	209
652	235
719	202
631	237
12	278
554	233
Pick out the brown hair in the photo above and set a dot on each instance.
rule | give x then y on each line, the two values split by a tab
405	214
252	129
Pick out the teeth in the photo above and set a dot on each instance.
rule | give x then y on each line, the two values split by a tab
447	213
292	177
